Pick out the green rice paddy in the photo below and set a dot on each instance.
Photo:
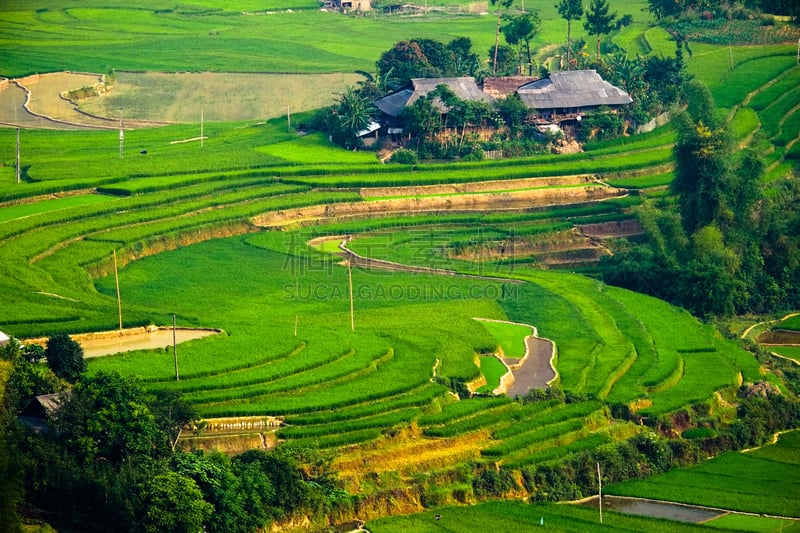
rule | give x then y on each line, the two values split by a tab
180	220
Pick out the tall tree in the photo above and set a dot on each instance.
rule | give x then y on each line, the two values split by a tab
570	10
65	357
703	162
599	21
404	61
501	5
107	416
174	504
466	62
521	30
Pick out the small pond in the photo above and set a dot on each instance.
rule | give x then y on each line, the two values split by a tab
656	509
780	336
99	345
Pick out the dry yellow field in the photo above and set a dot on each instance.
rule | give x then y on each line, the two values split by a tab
181	97
166	98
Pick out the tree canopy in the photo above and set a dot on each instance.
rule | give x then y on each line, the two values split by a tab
65	357
425	58
599	21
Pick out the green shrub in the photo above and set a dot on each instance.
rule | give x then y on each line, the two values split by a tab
404	156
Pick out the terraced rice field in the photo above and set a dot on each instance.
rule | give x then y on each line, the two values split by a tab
375	385
763	481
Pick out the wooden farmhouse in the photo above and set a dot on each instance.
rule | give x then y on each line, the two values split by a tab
348	5
391	107
555	103
566	96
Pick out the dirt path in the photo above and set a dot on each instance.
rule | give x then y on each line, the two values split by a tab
379	264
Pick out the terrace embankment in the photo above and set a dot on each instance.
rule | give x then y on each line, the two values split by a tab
508	200
476	187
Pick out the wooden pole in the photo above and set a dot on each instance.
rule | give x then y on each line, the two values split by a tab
119	299
201	129
288	118
295	325
350	277
600	492
121	136
175	347
730	51
19	173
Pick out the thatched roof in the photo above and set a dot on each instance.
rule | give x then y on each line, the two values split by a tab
464	88
572	89
503	86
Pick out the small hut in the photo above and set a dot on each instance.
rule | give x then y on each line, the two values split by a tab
39	411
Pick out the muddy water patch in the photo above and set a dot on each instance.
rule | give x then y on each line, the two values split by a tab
780	336
127	340
656	509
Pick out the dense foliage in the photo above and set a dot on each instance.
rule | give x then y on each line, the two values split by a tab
106	463
729	248
425	58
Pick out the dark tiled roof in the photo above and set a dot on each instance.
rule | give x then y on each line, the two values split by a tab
570	89
393	104
464	88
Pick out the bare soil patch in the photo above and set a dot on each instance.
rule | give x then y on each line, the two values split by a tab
473	187
780	337
496	201
610	230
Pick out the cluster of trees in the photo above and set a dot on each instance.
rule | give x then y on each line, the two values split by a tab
519	30
731	246
674	8
109	461
425	58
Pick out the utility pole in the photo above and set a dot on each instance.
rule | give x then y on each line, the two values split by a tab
201	129
175	347
19	174
350	277
121	135
730	51
600	492
288	118
119	299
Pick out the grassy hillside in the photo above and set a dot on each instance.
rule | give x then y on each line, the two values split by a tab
242	36
182	219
